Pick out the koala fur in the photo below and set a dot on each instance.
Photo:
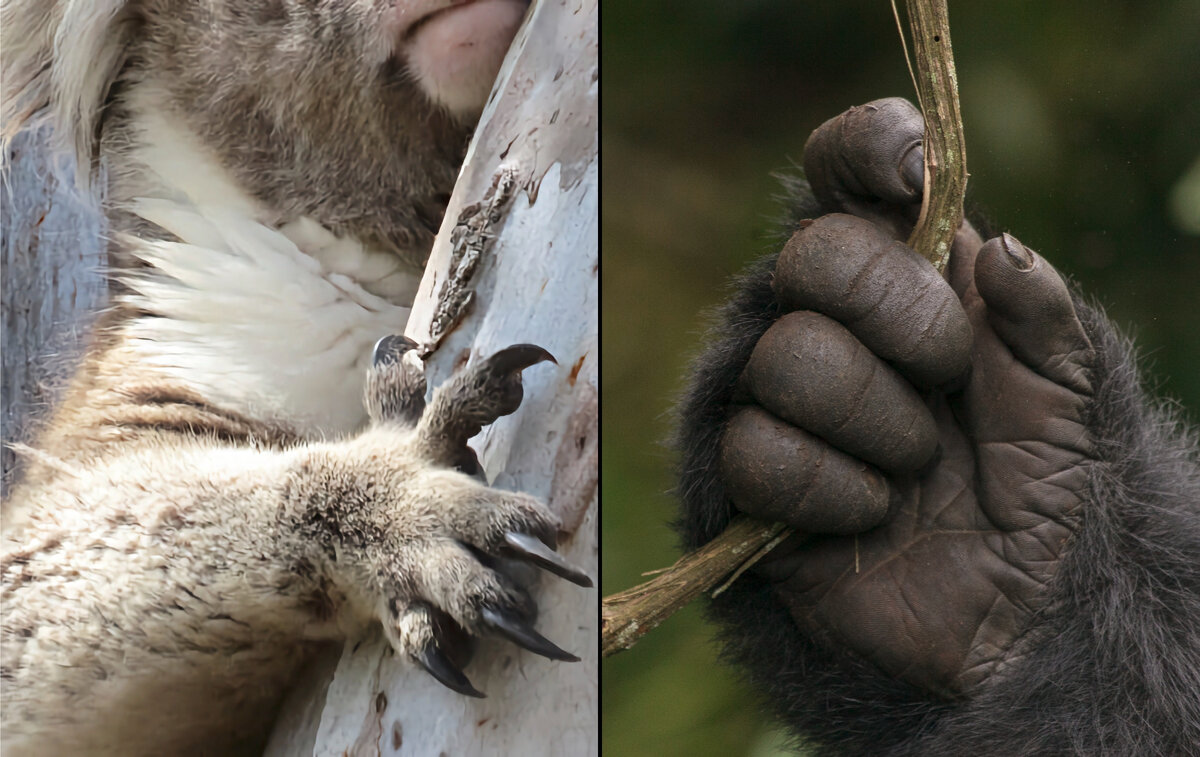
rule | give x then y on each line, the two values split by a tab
204	508
1112	666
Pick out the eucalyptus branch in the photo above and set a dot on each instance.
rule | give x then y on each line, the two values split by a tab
629	615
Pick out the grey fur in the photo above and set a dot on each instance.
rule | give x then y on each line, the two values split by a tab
273	87
179	545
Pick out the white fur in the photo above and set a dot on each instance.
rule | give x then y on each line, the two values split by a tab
276	323
379	273
178	165
84	64
252	323
57	65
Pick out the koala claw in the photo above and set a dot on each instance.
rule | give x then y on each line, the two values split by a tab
532	550
438	665
390	349
518	357
481	523
507	624
474	398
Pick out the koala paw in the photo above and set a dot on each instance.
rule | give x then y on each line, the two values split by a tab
426	539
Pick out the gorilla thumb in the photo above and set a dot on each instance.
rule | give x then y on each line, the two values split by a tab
1031	310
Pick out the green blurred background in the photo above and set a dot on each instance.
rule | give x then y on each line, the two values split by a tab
1083	138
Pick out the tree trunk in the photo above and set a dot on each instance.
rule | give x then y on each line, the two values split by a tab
51	261
537	283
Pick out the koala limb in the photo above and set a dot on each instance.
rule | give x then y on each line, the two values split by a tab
205	505
258	554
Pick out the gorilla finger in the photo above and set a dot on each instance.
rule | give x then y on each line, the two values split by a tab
813	373
1031	310
889	297
775	471
870	152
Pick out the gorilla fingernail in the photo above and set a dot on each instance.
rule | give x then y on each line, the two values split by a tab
438	665
1018	254
531	549
522	634
912	167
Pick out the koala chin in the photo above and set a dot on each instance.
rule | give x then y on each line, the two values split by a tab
242	470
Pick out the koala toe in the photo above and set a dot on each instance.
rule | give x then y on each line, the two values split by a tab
453	579
395	388
478	515
434	641
476	397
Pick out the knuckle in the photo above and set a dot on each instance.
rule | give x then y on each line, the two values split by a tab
830	266
777	471
530	515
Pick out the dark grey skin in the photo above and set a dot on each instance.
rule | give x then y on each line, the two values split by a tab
1001	531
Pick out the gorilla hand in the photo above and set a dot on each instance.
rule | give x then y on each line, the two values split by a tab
938	441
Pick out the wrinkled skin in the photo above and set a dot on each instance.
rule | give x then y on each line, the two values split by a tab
927	437
1000	526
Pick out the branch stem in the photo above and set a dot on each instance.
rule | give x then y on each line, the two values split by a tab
945	147
631	614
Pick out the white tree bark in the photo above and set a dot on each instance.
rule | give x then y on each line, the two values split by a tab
537	284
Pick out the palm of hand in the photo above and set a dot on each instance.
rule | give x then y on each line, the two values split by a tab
939	592
937	516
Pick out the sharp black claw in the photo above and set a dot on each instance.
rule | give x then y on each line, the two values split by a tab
520	633
438	665
518	357
390	349
468	462
531	549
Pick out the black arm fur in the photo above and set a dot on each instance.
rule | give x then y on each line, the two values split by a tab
1110	667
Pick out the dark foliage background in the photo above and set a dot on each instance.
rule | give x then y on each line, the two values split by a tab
1083	139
